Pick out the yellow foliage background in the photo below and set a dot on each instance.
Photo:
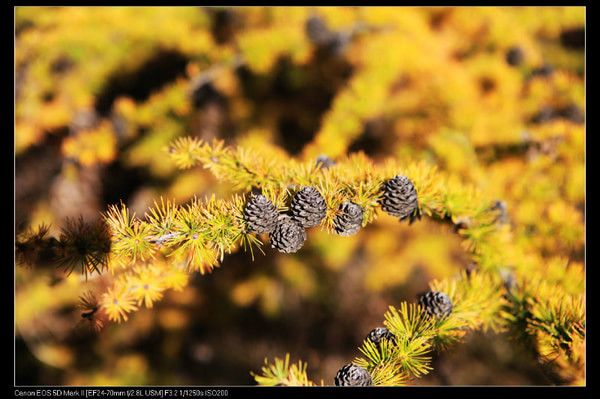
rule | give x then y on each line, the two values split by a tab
100	92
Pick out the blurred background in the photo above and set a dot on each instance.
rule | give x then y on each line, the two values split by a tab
494	96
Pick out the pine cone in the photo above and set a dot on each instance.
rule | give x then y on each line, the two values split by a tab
502	209
324	162
515	56
544	115
379	333
318	32
352	375
320	35
400	198
260	214
288	236
437	304
573	113
349	220
544	70
308	207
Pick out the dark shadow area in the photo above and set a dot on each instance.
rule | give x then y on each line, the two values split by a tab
164	67
297	95
34	172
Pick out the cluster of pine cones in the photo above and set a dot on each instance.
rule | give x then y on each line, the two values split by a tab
287	232
437	304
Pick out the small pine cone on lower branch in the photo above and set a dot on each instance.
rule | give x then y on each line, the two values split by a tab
351	375
436	304
379	333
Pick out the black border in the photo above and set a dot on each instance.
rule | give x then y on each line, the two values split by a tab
7	252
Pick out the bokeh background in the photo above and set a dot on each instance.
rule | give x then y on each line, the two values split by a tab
494	96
